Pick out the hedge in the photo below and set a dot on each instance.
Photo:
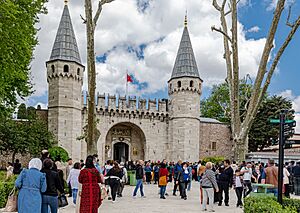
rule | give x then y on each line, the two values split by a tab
214	160
6	187
293	203
268	205
58	152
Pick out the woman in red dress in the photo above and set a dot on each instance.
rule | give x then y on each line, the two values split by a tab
90	178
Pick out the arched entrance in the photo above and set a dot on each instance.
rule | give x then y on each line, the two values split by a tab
121	152
125	142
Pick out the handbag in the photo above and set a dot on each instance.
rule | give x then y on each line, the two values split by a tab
103	192
12	201
162	181
62	201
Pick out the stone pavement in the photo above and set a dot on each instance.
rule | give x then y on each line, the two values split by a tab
152	203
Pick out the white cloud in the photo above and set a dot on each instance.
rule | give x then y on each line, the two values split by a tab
254	29
122	24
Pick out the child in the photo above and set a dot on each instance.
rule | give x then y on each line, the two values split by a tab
238	186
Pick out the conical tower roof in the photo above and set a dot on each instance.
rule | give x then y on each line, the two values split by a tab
65	45
185	64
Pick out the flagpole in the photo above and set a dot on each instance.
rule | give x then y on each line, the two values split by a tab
126	83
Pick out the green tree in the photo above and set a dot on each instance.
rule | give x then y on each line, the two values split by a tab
217	106
18	40
26	137
22	112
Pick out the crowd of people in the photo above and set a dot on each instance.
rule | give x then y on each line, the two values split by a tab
43	182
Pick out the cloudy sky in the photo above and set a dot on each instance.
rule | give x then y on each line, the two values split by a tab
142	36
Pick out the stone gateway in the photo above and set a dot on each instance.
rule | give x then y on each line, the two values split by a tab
132	128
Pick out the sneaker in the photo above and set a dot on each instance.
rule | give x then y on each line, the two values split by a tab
226	204
204	210
113	201
211	210
109	198
185	198
174	194
167	194
219	204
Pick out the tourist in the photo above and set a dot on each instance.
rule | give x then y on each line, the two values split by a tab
271	177
190	169
50	196
209	184
45	154
177	169
247	175
261	172
31	182
296	173
170	168
72	180
90	178
17	167
163	180
238	186
286	181
96	163
81	163
68	169
10	170
200	170
156	170
148	172
225	180
124	179
139	175
183	179
107	167
234	166
114	177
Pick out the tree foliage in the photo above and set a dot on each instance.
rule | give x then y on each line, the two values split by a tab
261	134
18	40
24	137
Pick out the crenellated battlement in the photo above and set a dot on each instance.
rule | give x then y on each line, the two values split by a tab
132	104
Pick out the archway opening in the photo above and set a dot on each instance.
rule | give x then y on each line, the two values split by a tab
121	152
125	142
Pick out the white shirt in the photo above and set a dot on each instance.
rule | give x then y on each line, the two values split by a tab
247	175
238	182
286	175
73	178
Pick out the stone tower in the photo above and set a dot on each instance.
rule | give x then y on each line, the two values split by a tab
65	78
184	90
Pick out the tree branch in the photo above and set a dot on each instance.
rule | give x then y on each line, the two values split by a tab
99	10
262	68
213	28
216	5
288	23
84	20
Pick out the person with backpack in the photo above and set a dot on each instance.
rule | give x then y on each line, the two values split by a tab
156	170
114	178
163	180
177	169
182	180
124	179
139	175
148	172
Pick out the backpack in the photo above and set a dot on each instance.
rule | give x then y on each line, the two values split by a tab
186	177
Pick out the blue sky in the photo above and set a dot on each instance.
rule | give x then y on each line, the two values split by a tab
142	37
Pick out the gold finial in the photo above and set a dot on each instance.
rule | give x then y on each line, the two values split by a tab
66	2
185	19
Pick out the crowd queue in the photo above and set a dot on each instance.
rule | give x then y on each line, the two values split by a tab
43	183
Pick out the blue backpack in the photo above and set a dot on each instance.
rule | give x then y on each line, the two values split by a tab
186	177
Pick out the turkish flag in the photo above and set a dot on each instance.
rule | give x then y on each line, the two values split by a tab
129	78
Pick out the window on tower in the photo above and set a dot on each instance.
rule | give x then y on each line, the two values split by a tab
191	83
66	68
179	84
214	146
78	71
53	68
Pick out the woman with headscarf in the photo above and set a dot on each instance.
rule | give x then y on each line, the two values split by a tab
31	183
90	178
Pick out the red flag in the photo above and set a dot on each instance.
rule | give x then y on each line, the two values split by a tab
129	78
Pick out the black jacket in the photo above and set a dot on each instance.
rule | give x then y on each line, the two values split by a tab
139	172
53	183
226	177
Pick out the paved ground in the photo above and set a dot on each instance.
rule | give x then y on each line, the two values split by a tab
152	203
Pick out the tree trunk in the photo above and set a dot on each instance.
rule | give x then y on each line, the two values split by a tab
13	157
91	143
240	148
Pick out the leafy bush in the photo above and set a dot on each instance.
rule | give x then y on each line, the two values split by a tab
293	203
57	153
214	160
266	205
5	189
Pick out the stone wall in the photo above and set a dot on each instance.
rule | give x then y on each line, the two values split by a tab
219	134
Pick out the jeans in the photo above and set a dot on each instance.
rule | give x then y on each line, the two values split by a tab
223	187
51	201
139	185
297	185
162	191
189	186
208	193
182	188
74	195
148	177
247	185
274	191
239	193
